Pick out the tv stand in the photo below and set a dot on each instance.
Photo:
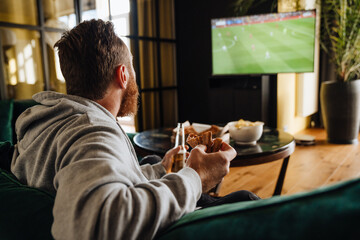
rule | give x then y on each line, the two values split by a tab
249	97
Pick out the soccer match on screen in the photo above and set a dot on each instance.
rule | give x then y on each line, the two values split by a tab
266	43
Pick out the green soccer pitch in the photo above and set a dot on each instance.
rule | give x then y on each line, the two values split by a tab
273	47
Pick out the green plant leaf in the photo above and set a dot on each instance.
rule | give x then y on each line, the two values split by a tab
340	36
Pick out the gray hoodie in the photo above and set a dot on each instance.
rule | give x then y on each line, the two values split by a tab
74	148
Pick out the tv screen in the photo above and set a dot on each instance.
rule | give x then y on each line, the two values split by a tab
264	43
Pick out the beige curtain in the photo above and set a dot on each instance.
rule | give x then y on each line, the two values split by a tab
148	60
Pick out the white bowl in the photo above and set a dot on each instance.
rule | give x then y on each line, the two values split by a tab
247	135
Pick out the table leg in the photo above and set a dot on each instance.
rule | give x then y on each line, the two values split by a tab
281	177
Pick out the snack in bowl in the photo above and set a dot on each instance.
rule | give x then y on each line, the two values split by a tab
245	132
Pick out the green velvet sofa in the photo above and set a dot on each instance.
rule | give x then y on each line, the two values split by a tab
332	212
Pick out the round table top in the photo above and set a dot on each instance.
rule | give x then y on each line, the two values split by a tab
272	141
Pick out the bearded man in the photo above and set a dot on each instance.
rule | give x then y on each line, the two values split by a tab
71	145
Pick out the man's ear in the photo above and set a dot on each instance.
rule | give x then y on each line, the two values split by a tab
121	76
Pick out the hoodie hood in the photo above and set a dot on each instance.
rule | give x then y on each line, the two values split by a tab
53	108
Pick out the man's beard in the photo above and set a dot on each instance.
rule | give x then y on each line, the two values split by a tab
129	102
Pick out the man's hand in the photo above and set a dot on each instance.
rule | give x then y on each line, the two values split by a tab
168	159
211	167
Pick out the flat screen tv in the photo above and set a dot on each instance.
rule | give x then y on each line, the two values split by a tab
264	43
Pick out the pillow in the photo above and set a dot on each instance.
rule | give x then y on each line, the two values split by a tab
26	213
6	114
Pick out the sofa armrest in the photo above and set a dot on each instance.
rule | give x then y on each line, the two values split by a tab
26	213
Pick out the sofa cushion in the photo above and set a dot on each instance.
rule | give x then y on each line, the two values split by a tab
327	213
6	152
26	213
6	116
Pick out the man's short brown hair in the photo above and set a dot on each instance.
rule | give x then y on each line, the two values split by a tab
89	54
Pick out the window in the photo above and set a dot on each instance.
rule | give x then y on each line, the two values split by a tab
29	64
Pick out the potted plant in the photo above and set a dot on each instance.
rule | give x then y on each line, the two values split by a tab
340	99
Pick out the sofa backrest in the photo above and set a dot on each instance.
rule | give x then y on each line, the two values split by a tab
10	111
6	116
331	213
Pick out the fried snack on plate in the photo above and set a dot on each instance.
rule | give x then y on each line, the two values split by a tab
213	129
189	129
217	145
206	139
193	140
198	129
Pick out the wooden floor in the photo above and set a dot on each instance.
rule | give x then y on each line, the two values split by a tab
309	167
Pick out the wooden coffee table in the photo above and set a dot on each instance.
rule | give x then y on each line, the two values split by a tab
272	146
